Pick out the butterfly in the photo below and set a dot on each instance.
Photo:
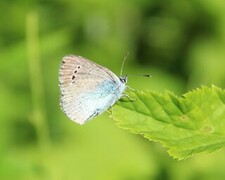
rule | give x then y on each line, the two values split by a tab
87	89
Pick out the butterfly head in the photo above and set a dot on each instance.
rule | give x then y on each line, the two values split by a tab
123	79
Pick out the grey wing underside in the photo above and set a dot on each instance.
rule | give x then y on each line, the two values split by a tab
86	88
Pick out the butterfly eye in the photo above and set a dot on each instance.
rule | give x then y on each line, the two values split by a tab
73	77
123	79
75	71
78	67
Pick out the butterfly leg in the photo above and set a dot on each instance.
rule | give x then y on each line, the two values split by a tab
110	111
131	88
128	97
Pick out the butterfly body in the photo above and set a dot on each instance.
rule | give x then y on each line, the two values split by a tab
87	89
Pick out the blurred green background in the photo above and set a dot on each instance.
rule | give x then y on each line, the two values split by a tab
180	43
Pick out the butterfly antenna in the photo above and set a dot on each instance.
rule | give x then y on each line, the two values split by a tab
124	59
143	75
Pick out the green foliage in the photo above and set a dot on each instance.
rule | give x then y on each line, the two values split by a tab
180	43
186	125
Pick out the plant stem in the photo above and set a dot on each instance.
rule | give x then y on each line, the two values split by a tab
36	79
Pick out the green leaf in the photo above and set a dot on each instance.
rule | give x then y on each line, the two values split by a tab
186	125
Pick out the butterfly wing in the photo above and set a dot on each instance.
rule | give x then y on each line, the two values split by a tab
87	88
